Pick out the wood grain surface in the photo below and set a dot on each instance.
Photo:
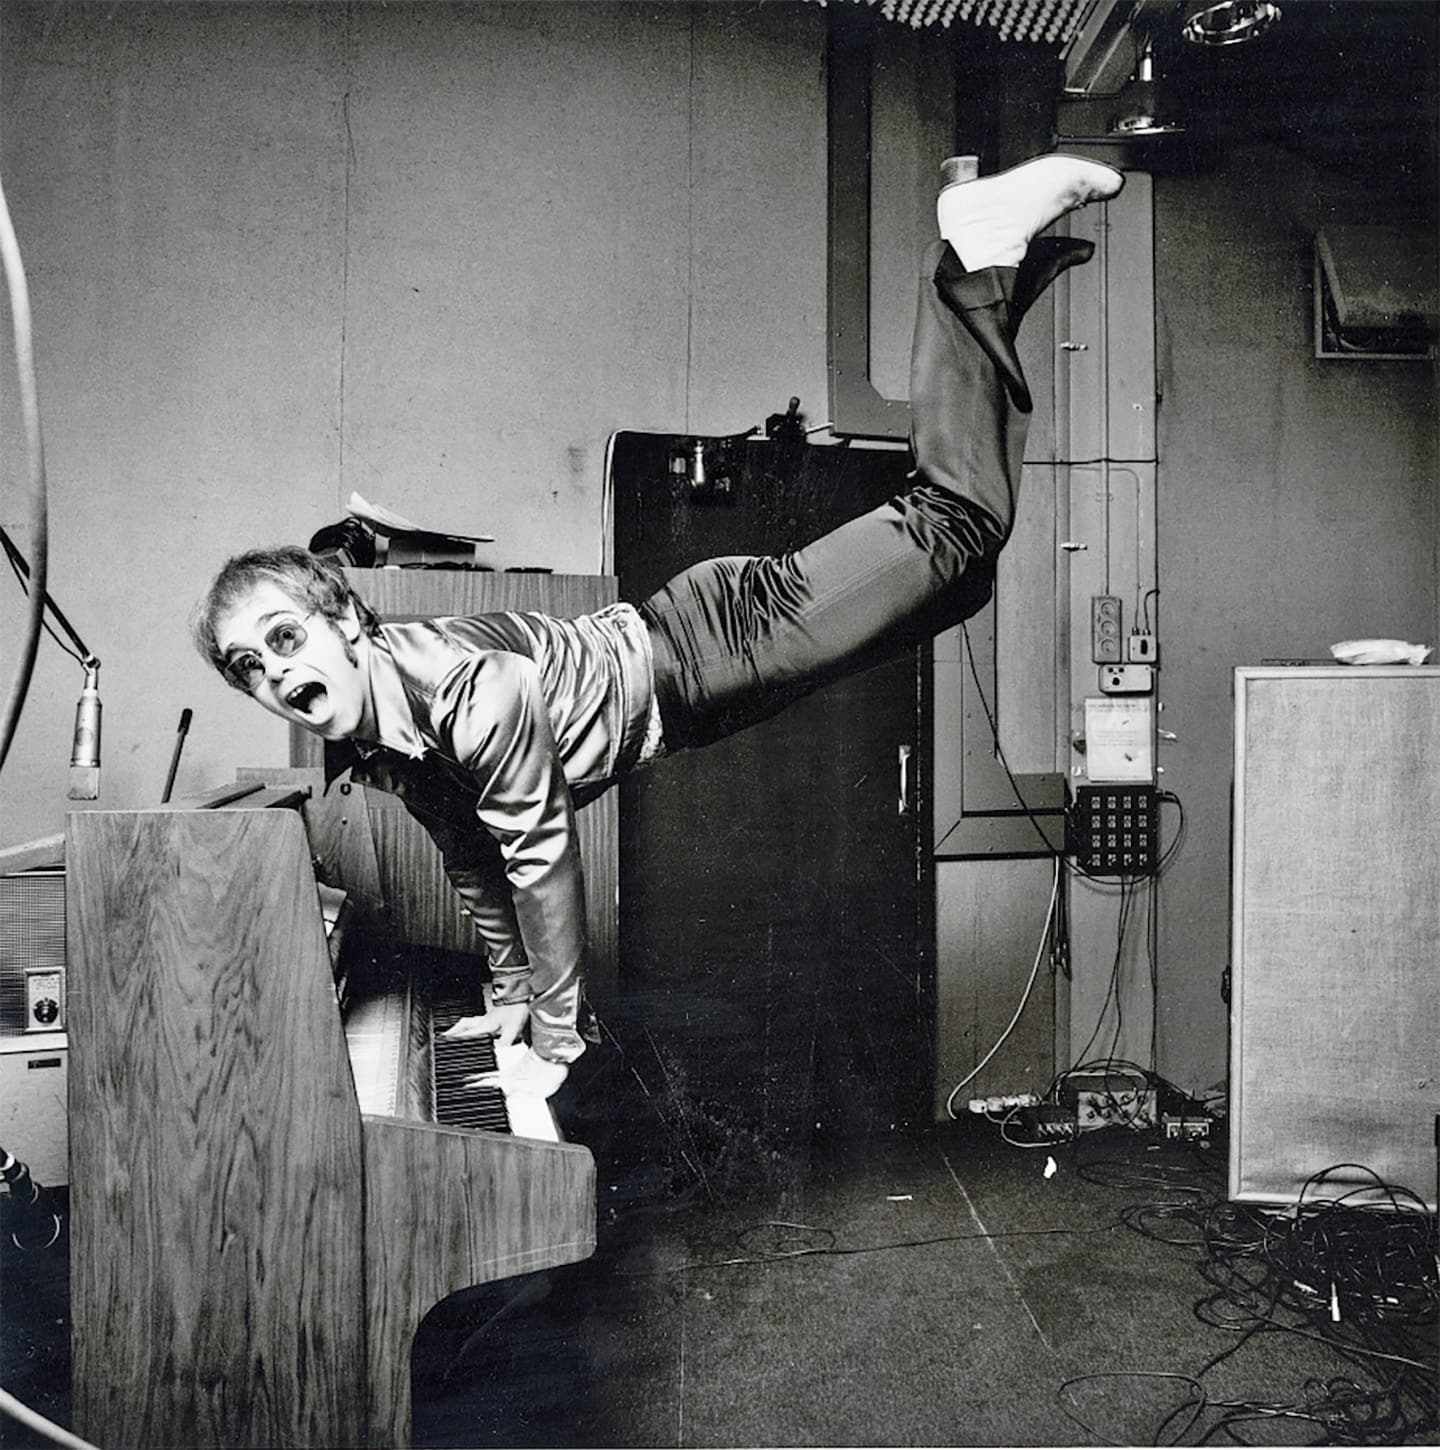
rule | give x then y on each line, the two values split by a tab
493	1206
217	1249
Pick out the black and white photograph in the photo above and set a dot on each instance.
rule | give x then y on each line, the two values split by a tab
719	723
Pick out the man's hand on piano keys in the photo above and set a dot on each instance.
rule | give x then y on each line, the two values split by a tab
521	1072
504	1024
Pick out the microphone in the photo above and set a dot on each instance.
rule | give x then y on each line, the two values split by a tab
85	753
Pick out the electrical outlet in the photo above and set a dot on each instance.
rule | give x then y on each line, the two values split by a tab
1105	629
1126	679
1142	649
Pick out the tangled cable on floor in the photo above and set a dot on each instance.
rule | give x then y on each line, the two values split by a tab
1352	1264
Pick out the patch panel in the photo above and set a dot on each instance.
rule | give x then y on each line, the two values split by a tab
1109	1099
1112	829
1126	1107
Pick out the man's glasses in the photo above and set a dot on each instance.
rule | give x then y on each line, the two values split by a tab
246	669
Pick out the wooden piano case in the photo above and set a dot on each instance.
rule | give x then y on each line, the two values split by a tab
251	1254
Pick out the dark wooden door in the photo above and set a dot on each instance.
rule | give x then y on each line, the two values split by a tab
772	953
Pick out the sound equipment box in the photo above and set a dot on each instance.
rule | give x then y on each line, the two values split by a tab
34	1122
32	951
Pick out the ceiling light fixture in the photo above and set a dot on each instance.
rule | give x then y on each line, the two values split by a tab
1228	22
1142	111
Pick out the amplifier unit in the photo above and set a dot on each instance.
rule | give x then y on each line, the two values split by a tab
32	935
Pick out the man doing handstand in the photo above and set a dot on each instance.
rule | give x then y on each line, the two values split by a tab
493	729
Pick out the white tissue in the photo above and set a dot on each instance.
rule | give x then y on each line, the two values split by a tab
1380	652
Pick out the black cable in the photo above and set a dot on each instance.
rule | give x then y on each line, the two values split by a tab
1170	850
1071	865
827	1246
1196	1406
1145	609
13	267
1051	848
1112	989
21	571
1365	1253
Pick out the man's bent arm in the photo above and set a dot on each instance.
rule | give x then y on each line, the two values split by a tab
491	714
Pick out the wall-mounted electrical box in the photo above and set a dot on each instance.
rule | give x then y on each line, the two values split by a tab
1119	740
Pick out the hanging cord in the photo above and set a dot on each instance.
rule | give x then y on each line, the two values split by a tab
35	457
77	648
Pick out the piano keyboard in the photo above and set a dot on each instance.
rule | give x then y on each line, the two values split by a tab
457	1058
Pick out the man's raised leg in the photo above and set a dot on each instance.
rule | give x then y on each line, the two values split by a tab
738	638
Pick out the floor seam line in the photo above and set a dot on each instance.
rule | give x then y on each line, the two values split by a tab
1004	1267
680	1404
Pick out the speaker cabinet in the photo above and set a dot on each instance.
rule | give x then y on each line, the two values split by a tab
1335	965
33	1048
32	935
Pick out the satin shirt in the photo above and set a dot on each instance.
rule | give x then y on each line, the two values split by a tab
493	730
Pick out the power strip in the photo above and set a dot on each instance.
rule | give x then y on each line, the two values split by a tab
1003	1104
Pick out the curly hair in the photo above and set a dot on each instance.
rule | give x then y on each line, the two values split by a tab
305	577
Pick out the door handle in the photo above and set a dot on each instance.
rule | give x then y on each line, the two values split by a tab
905	753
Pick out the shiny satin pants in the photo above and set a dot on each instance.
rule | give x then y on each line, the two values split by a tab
738	638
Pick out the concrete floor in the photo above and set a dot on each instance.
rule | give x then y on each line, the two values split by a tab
936	1288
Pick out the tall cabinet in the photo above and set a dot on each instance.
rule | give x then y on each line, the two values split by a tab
1335	995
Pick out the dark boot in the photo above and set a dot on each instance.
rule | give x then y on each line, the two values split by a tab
992	303
985	302
1045	259
967	426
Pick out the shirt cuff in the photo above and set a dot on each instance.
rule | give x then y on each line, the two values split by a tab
509	985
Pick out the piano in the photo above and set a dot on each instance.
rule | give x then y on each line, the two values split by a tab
268	1193
270	1187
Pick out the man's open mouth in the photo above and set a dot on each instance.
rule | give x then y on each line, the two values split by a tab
303	698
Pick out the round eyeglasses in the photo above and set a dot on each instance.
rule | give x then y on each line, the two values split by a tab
245	669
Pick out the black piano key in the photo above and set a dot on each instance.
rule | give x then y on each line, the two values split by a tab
455	1059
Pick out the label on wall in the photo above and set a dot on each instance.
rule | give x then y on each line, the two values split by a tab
1118	739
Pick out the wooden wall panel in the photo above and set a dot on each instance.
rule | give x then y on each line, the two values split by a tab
988	921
